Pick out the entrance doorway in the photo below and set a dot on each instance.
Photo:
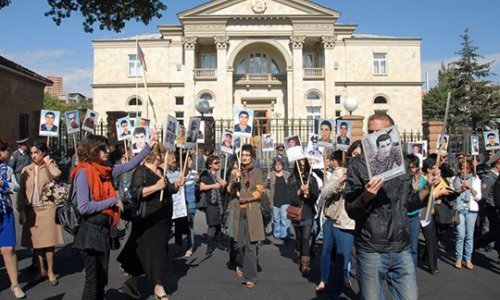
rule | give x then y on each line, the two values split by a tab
261	122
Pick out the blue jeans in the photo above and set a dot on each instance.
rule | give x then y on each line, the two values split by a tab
190	243
414	225
465	231
281	223
396	268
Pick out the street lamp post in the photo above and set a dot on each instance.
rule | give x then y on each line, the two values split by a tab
350	104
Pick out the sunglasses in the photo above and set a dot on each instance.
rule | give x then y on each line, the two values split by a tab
216	162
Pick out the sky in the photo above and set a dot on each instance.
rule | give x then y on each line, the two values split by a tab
34	41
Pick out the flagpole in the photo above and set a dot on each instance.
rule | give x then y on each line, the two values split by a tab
137	77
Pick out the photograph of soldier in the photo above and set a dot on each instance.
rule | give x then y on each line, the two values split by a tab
383	153
491	140
226	143
139	138
90	120
72	121
443	141
123	129
169	132
474	145
49	123
243	120
344	133
293	148
267	143
192	133
326	133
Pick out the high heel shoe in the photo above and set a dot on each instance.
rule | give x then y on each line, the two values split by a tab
17	292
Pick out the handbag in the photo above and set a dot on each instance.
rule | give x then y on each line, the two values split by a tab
67	214
54	191
294	213
455	219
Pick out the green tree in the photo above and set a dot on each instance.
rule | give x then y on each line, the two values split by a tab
475	102
109	14
51	102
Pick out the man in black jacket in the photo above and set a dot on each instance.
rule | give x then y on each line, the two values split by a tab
382	235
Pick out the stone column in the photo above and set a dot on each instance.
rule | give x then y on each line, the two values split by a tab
189	84
223	105
431	131
297	42
329	93
357	126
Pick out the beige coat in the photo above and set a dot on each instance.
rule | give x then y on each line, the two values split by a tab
39	229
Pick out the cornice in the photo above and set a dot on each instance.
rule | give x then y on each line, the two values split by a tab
379	83
130	43
132	85
383	41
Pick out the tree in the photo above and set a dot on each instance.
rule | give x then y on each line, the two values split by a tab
109	14
51	102
475	102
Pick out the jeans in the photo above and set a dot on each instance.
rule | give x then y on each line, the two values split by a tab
465	231
281	223
414	225
396	268
191	231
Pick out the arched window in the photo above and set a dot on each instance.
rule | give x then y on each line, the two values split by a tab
313	95
133	102
258	63
380	100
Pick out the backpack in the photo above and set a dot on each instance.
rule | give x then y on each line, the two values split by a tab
133	208
67	214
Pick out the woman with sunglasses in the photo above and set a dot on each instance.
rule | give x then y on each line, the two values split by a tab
99	207
211	187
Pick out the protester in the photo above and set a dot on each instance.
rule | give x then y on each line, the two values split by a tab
8	184
280	153
338	231
247	227
418	182
380	210
99	207
145	251
211	186
189	191
37	213
276	184
469	186
303	192
122	183
20	158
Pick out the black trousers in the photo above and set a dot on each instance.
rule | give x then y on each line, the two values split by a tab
303	239
493	235
431	244
96	274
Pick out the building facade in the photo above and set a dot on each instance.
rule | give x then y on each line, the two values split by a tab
21	99
57	88
283	59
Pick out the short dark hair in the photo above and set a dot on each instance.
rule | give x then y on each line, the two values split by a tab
327	123
4	146
210	160
40	146
50	113
429	162
344	124
491	134
383	137
248	148
139	130
92	114
412	159
380	116
243	112
124	122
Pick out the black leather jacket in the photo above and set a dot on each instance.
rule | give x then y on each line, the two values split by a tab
381	225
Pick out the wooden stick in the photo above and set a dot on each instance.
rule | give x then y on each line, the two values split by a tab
164	173
325	167
225	165
74	144
474	164
126	149
184	168
310	169
240	154
268	163
180	163
48	141
300	173
196	157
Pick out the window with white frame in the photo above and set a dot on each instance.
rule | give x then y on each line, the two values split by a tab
313	112
209	61
134	66
258	63
308	60
380	63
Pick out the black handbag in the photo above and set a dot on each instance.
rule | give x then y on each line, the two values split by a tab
443	213
67	214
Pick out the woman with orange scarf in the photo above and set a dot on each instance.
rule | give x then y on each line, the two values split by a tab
99	207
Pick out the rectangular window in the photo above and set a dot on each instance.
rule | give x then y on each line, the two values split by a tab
209	61
179	115
134	66
313	112
308	60
23	125
179	100
337	99
338	113
380	63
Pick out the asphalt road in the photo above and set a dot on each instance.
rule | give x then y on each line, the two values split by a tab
198	277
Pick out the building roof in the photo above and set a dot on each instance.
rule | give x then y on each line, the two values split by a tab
149	36
384	37
8	64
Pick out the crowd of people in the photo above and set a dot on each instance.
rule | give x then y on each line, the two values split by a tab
370	226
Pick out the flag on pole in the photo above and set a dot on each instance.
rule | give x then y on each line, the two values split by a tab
140	53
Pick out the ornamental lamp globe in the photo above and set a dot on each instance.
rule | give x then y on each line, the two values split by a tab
350	104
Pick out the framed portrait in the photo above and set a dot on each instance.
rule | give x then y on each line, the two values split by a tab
123	129
344	134
474	145
181	136
293	148
443	142
140	137
226	142
491	141
267	143
315	151
200	138
383	153
326	132
90	121
169	132
192	132
419	149
49	123
243	120
72	119
237	143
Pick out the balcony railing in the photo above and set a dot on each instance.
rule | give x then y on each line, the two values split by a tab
314	73
205	74
260	78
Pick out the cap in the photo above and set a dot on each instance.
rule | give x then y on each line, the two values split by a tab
494	158
279	147
23	141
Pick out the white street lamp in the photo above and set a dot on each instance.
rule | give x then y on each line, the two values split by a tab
350	104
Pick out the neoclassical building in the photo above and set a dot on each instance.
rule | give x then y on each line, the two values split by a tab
283	59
